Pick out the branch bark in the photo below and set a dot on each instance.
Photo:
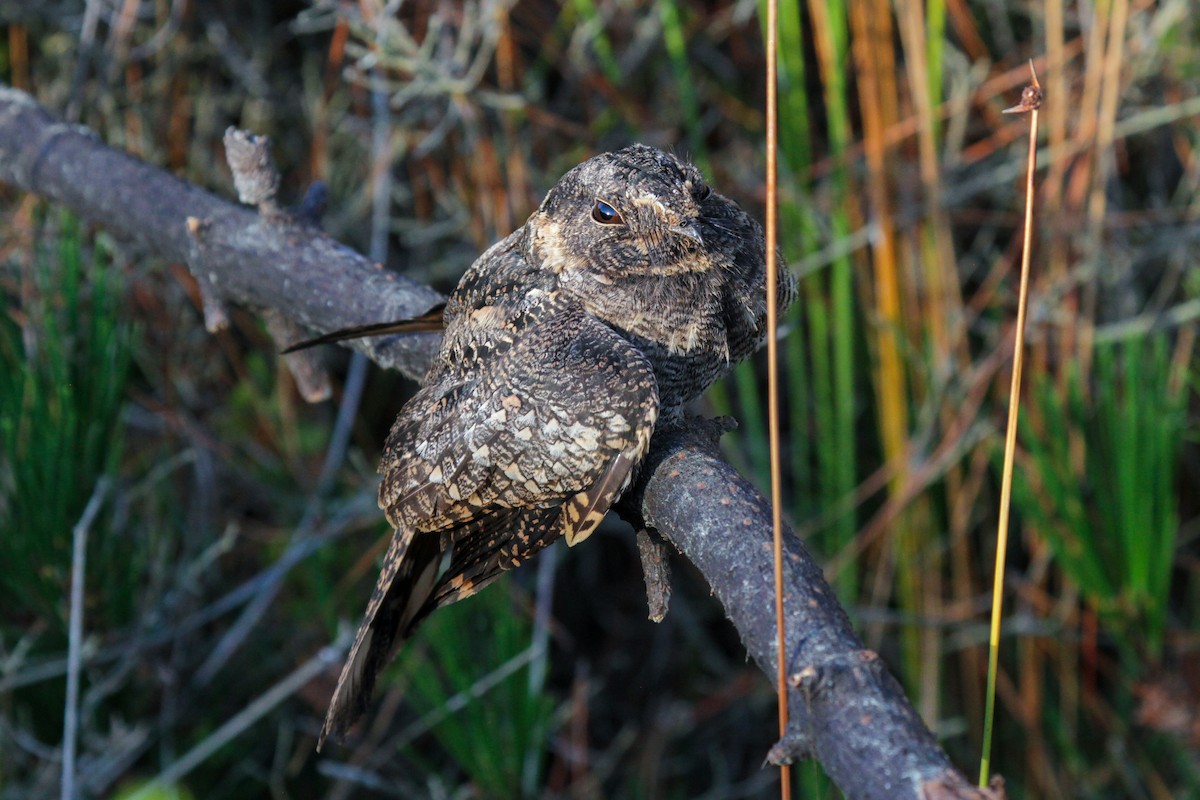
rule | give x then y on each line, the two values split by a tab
262	261
846	708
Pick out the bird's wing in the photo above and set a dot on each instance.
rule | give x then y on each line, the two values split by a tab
534	442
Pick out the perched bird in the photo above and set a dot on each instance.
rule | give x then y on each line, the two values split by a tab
624	296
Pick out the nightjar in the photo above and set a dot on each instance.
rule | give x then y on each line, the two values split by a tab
624	296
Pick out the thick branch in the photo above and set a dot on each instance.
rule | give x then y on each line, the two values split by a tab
847	710
262	261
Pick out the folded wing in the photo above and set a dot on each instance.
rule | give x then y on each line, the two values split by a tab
483	469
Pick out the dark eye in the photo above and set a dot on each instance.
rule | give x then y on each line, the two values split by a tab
605	214
703	192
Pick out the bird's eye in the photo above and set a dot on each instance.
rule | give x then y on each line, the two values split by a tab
605	214
703	192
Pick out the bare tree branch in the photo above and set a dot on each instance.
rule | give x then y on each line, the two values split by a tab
847	709
262	261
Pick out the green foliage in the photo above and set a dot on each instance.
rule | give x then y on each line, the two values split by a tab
499	738
818	363
675	41
154	791
1102	490
62	377
585	15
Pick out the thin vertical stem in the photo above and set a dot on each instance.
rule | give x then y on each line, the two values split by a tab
75	637
773	382
1031	100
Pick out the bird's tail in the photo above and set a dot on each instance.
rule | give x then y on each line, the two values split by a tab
400	601
429	322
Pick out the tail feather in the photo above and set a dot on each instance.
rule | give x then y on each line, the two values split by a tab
405	585
429	322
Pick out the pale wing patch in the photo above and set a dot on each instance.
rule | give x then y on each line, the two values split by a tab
583	513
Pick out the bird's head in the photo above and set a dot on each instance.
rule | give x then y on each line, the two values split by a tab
633	213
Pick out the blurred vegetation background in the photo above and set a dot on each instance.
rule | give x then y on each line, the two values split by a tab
239	536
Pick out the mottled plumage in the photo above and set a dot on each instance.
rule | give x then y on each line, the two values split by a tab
625	295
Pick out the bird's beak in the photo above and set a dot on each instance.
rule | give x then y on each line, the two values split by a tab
689	230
